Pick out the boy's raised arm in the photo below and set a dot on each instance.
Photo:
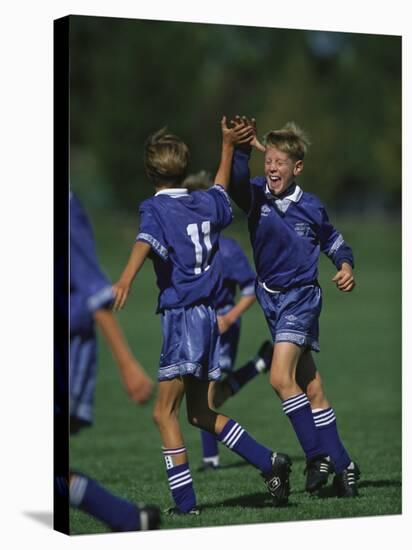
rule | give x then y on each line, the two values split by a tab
239	188
239	134
122	288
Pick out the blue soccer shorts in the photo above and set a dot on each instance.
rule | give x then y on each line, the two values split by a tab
190	343
293	315
229	342
83	369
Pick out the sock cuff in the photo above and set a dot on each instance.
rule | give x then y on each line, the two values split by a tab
78	486
176	451
324	417
295	403
231	433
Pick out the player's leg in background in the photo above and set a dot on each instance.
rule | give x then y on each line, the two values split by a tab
309	380
166	417
117	513
273	466
238	378
218	392
209	441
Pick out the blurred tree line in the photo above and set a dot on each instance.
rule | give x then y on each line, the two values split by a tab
131	77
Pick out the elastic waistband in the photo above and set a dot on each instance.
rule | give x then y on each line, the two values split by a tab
276	289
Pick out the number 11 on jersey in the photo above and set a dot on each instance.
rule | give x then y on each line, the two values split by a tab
202	261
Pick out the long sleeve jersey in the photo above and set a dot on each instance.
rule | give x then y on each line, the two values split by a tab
287	233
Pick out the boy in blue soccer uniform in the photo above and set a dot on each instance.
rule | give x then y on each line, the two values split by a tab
288	229
237	274
180	232
91	297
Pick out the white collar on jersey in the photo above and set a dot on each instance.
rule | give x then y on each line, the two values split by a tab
283	203
175	193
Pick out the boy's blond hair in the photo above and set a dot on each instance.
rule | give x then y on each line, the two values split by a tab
290	139
198	182
165	158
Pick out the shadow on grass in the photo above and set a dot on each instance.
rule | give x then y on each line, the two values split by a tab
329	492
295	461
255	500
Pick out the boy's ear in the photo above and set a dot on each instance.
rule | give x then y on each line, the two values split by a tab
298	167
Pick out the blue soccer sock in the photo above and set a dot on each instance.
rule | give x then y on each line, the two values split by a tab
180	481
237	379
210	449
235	438
91	497
325	422
297	408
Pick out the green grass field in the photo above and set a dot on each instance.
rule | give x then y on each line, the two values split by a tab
360	362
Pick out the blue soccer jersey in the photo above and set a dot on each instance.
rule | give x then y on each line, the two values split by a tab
183	232
90	289
237	273
287	232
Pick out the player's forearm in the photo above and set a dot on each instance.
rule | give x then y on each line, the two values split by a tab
239	309
137	257
114	337
239	186
223	172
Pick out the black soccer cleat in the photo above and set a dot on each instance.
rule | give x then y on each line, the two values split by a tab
265	352
345	482
149	517
277	480
174	511
317	472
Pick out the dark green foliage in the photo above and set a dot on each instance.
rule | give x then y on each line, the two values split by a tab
131	77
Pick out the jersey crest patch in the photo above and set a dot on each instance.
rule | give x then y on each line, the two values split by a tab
302	228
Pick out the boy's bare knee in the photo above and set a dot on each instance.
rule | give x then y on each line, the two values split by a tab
314	393
280	381
162	414
157	415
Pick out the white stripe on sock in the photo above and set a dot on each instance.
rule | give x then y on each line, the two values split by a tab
179	479
176	485
325	412
294	403
294	398
234	441
229	434
180	474
229	440
325	423
78	485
